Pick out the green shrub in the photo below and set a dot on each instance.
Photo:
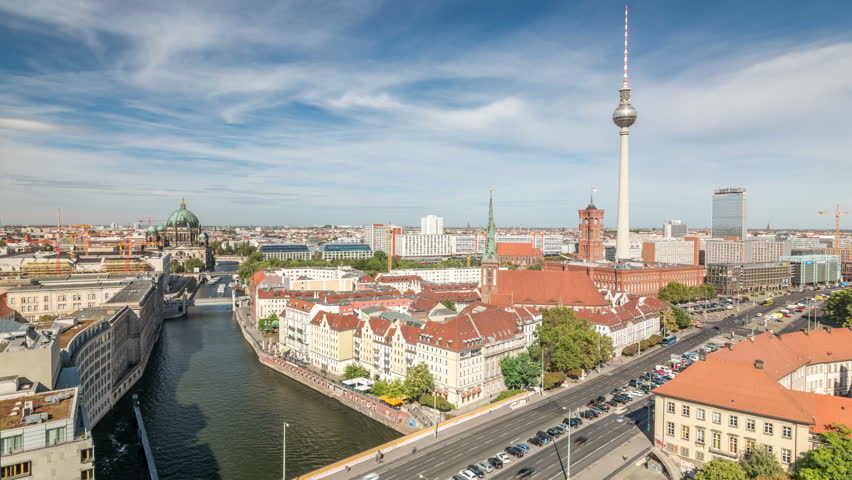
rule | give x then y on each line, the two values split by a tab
440	402
575	373
553	379
506	394
630	350
656	339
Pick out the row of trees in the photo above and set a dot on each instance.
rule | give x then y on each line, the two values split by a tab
676	292
418	381
831	461
242	249
373	265
838	307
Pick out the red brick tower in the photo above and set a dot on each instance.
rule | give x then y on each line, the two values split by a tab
590	246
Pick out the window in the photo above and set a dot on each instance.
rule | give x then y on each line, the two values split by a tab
684	452
14	300
61	306
750	424
699	456
87	455
684	432
749	445
11	444
670	429
732	444
87	474
699	413
91	296
684	410
767	428
786	432
670	407
717	440
699	436
733	420
16	470
717	417
785	455
46	299
55	435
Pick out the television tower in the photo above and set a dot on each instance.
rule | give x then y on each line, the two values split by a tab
624	116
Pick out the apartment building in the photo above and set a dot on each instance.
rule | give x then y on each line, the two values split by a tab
441	275
332	341
814	269
425	245
672	252
748	251
780	391
285	251
334	251
294	332
43	435
628	323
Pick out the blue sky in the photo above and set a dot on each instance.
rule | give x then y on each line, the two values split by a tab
353	112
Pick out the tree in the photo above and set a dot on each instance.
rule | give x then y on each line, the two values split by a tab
833	460
266	322
674	292
175	266
438	402
759	461
668	321
721	469
520	371
449	304
838	307
569	343
47	318
192	263
509	266
682	319
395	389
418	380
355	371
537	266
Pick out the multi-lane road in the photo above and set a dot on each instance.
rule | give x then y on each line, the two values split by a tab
446	457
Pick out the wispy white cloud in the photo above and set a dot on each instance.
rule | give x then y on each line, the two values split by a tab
28	125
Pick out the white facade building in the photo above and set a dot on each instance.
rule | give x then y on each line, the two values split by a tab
425	245
431	225
442	275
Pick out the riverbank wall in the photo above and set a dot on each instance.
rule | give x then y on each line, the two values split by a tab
399	420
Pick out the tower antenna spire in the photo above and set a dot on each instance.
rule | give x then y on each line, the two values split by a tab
625	45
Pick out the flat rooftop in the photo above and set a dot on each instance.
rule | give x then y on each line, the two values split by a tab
132	293
29	339
68	335
51	403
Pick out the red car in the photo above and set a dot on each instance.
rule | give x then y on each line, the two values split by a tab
787	315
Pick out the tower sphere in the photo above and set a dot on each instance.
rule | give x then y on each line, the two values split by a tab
624	115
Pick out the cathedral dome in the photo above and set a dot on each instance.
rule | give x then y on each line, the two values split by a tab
182	218
152	229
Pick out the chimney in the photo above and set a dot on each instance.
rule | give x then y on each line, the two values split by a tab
758	364
729	345
805	331
28	409
702	356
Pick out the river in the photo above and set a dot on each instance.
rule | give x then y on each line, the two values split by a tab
212	411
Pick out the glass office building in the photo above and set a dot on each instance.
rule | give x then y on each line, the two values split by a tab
730	213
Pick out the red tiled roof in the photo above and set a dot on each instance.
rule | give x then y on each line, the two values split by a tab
454	296
399	278
422	304
336	321
451	287
6	310
635	310
530	287
471	330
729	378
300	304
517	250
366	279
258	277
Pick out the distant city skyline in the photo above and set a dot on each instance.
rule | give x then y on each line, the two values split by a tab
305	113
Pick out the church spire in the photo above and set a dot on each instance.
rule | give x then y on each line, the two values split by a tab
490	255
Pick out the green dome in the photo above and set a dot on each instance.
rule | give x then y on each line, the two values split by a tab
160	228
152	228
182	218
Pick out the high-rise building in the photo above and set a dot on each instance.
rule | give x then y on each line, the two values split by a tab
730	213
377	235
675	229
590	245
431	225
624	116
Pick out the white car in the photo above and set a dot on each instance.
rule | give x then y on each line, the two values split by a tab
467	474
759	314
485	467
636	393
503	457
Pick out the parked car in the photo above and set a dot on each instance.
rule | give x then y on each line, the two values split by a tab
535	441
573	422
554	432
476	470
601	407
502	457
523	446
495	462
458	477
543	435
600	399
467	475
515	452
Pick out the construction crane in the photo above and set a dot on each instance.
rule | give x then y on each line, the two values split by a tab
837	213
391	247
151	220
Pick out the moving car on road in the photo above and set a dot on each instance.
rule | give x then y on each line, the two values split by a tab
525	472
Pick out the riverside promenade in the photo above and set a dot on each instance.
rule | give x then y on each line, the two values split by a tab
397	419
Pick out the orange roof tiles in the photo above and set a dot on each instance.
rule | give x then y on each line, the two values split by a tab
617	318
336	321
729	378
530	287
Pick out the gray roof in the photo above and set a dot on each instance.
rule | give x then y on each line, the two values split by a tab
133	293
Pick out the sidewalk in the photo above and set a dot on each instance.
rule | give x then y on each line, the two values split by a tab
616	459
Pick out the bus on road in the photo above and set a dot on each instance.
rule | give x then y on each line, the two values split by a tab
670	340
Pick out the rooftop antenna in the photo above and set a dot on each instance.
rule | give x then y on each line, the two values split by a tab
625	45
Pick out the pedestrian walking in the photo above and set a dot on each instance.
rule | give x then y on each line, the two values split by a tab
347	468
